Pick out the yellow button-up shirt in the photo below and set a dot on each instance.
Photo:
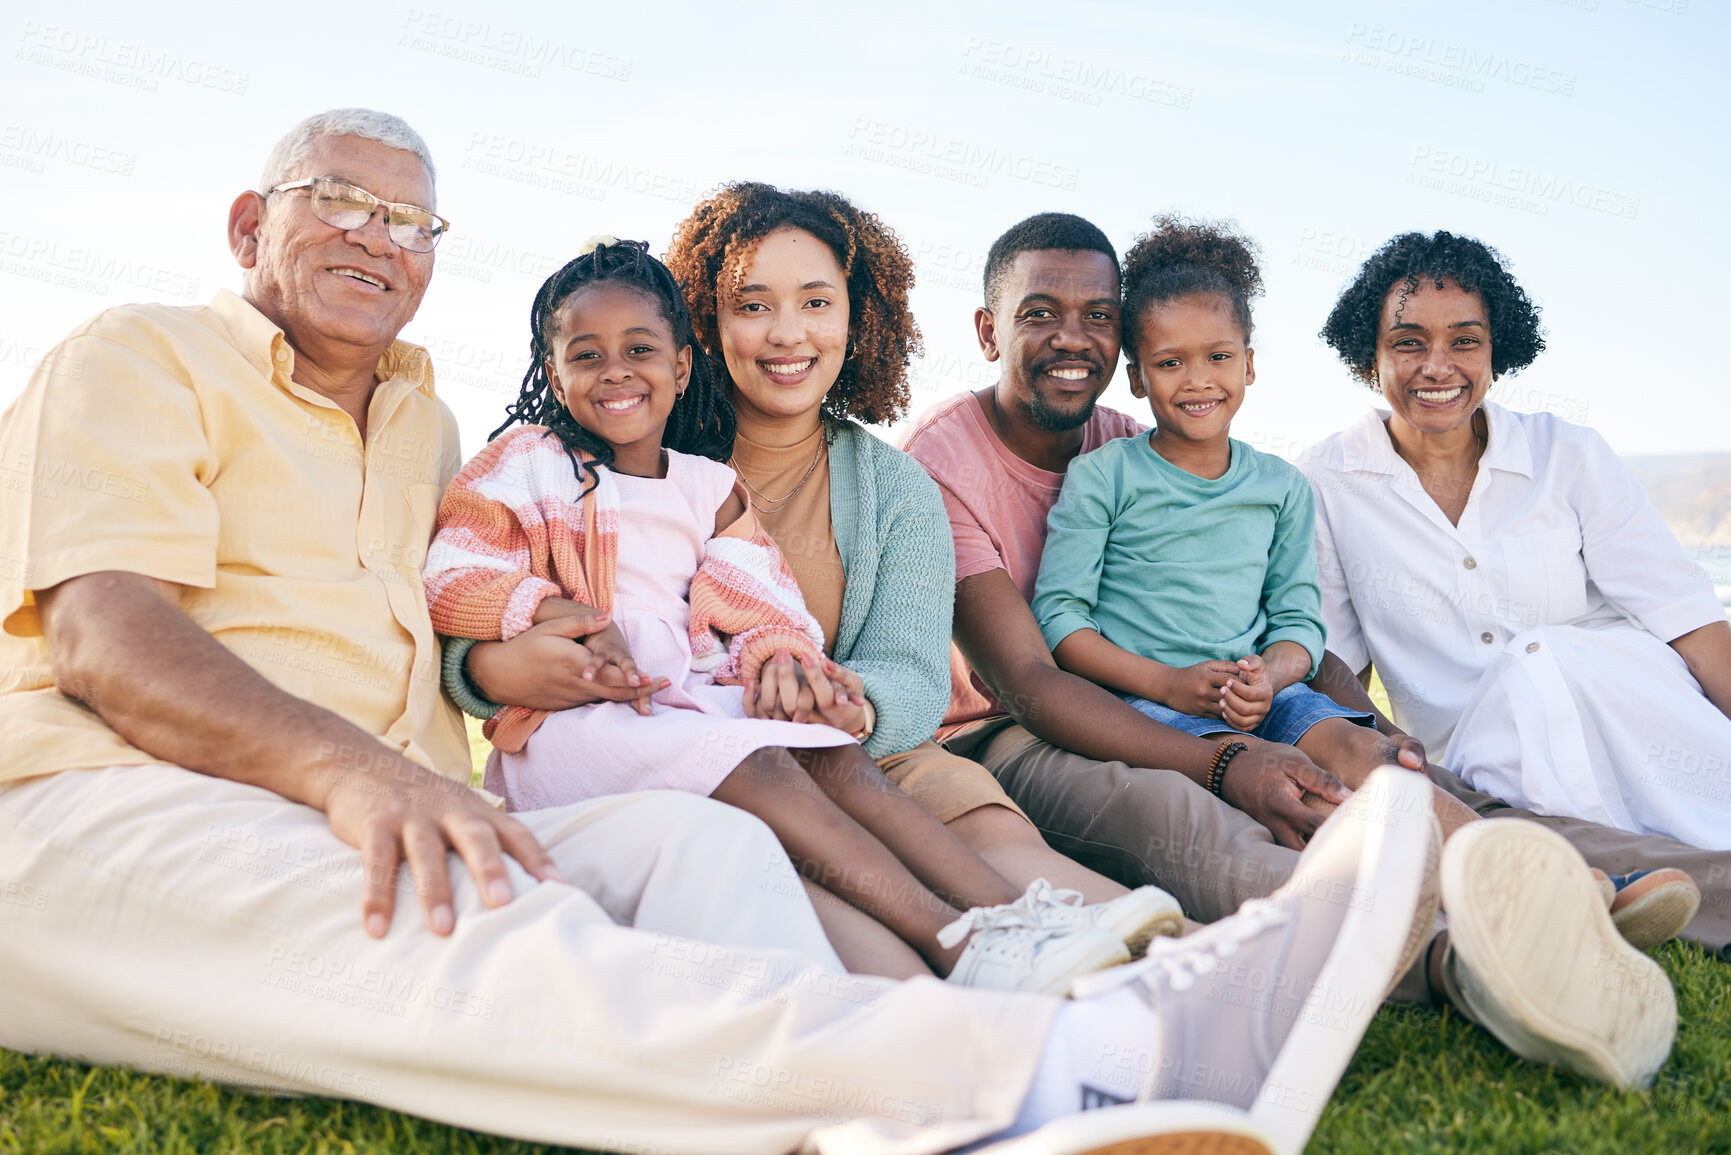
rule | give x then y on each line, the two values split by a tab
170	441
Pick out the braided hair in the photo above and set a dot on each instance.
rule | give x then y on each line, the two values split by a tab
701	422
1180	258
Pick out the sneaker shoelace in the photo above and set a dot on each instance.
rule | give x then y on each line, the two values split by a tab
1181	961
1068	903
1027	913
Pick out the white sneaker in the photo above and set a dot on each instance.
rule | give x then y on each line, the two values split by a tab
1143	1129
1013	948
1133	919
1263	1010
1535	959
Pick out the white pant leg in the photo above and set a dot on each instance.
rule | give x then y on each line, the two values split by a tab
179	923
693	871
1607	725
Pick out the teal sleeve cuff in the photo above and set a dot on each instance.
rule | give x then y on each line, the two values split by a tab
456	680
1310	639
1062	625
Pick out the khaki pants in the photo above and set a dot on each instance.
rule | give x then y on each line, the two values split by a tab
1137	825
677	996
1158	827
1144	827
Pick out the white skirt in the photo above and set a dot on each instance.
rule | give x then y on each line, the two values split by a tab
696	736
1602	724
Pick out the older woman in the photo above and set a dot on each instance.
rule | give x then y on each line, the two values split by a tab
1530	614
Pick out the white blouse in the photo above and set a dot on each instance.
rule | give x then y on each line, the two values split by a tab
1556	531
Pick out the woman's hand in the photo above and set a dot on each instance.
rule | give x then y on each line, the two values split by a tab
1249	695
610	655
607	648
543	668
804	691
1707	653
840	696
1409	752
1198	690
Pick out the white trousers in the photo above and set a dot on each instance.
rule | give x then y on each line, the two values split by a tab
676	996
1602	724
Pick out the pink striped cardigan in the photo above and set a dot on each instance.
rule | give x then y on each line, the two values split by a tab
513	529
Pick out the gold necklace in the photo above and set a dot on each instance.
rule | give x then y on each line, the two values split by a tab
777	504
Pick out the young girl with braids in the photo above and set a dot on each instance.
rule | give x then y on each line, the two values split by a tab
1179	568
603	497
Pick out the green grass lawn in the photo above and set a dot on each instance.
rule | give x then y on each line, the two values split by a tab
1422	1081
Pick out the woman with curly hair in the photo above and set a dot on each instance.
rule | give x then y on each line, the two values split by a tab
801	300
1527	609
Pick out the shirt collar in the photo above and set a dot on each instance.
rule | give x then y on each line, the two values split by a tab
260	341
1365	446
1507	446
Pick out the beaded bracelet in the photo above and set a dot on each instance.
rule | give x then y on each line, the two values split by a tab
1217	766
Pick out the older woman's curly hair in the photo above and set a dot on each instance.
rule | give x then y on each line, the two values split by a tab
1354	326
713	246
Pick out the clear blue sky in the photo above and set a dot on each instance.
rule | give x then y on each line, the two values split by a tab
1583	138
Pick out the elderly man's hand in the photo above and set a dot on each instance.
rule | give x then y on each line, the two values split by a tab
397	812
120	644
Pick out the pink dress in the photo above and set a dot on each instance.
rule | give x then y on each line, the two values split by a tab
698	732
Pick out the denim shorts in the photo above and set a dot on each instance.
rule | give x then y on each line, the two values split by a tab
1290	716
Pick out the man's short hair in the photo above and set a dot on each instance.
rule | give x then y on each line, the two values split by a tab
1041	231
388	130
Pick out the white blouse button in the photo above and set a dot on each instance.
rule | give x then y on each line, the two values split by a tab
1487	637
1470	563
1532	647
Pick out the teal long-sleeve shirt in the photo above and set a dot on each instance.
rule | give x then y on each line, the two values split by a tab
1178	568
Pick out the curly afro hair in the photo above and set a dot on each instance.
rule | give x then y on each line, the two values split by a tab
713	246
1353	327
1181	257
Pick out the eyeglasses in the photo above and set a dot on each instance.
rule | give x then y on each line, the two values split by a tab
345	206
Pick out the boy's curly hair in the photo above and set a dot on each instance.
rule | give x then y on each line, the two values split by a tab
1353	326
1179	257
712	248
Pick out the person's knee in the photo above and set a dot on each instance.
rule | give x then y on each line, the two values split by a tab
848	763
1374	746
993	825
683	819
770	766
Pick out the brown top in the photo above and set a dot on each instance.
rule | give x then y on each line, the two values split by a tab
799	523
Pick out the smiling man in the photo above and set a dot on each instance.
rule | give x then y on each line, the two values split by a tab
1056	741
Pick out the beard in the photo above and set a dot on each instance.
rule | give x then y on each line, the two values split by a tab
1053	419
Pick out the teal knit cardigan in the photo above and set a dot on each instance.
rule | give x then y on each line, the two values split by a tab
900	565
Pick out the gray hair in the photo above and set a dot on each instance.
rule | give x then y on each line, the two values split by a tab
388	130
